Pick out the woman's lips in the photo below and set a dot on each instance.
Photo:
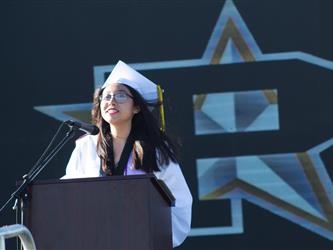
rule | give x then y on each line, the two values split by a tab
112	111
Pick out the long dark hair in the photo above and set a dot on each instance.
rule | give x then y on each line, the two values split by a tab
152	148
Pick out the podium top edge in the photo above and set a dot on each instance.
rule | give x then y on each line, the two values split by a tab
94	179
159	184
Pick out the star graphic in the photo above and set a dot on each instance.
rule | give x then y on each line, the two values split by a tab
292	185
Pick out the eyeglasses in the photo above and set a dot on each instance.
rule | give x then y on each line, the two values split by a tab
119	97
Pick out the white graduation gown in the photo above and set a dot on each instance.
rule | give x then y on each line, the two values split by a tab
84	162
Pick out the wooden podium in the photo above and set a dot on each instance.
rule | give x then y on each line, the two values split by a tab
119	212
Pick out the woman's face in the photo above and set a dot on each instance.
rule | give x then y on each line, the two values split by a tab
117	106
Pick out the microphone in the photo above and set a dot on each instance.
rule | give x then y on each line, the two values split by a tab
85	127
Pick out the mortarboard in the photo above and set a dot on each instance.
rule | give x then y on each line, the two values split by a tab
122	73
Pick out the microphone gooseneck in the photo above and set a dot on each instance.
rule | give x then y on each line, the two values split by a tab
85	127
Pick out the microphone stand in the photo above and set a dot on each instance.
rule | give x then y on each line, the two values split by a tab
20	193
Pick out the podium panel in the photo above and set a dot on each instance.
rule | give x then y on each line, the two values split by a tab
117	212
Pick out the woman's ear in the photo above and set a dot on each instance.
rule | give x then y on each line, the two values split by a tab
136	109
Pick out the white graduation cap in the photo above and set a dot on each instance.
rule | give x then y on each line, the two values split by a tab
122	73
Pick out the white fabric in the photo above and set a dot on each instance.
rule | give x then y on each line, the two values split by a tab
84	162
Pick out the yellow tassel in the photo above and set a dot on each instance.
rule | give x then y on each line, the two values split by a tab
160	98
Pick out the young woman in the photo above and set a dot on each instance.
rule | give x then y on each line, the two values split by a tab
130	142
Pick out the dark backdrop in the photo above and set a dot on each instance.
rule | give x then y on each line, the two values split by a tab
49	48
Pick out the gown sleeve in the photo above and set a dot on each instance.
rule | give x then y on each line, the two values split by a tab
182	211
84	161
74	169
